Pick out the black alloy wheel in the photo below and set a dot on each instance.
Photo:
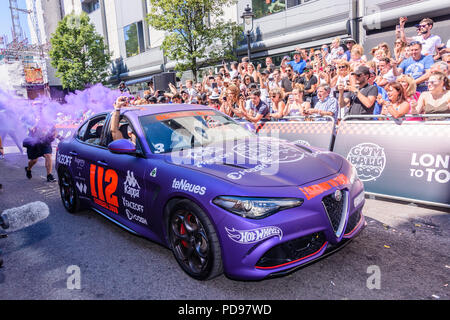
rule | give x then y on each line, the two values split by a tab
194	241
68	191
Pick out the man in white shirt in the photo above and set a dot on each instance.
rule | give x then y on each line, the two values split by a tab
429	42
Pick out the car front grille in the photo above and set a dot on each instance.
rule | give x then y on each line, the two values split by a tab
336	210
353	221
292	251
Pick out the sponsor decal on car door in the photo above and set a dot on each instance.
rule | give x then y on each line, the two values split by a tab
103	185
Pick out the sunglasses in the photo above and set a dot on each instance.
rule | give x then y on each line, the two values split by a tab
435	82
342	67
421	26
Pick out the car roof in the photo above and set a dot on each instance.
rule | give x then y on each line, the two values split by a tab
150	109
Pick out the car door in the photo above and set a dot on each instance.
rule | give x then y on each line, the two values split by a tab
83	153
120	183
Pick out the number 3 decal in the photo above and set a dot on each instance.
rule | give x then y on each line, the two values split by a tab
159	147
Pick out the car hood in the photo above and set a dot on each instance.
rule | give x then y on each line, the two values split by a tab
260	162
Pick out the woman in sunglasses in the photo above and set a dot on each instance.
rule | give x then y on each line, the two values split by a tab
342	76
400	50
277	106
437	99
411	95
296	105
232	105
397	106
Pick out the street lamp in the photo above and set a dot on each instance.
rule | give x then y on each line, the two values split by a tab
248	16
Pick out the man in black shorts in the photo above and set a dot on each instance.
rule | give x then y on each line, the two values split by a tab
38	144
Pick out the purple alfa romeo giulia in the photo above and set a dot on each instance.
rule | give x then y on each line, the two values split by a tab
220	197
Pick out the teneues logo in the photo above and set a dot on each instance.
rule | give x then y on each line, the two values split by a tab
253	235
184	185
131	186
368	159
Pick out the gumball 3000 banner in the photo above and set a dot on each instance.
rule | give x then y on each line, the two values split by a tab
407	160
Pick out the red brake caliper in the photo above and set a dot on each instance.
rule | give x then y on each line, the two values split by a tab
183	231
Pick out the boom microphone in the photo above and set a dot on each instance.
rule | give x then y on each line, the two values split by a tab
21	217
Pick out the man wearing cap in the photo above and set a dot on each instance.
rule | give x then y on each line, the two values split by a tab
298	64
310	81
123	88
349	44
213	100
363	97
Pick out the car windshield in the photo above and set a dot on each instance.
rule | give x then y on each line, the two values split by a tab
184	130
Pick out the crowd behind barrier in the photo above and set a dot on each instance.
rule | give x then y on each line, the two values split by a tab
410	76
405	81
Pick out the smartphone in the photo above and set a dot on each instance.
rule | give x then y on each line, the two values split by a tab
291	97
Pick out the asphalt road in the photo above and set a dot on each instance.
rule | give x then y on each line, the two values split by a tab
406	245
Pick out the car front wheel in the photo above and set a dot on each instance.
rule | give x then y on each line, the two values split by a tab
194	241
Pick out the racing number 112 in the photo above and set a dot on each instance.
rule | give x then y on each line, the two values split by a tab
104	195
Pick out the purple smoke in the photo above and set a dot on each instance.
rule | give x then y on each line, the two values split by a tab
18	115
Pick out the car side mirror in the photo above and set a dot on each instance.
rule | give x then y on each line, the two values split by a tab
122	146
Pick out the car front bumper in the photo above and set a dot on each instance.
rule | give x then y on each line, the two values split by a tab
290	239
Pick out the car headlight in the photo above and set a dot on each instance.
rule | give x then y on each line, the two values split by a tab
255	208
353	174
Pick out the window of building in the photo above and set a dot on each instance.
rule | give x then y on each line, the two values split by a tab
262	8
91	6
134	39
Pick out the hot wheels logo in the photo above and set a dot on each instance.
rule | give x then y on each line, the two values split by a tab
254	235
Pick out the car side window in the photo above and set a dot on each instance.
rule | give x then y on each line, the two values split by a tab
127	131
91	132
82	131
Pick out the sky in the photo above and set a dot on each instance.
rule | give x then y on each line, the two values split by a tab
5	19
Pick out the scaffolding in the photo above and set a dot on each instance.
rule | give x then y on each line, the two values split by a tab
32	56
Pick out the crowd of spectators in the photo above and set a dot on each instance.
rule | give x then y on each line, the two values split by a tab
411	77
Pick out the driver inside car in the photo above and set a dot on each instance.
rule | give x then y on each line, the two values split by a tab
124	131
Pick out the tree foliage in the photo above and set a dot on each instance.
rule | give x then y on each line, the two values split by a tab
78	53
196	32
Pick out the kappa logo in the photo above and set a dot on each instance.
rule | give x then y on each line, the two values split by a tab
131	186
81	187
254	235
368	159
